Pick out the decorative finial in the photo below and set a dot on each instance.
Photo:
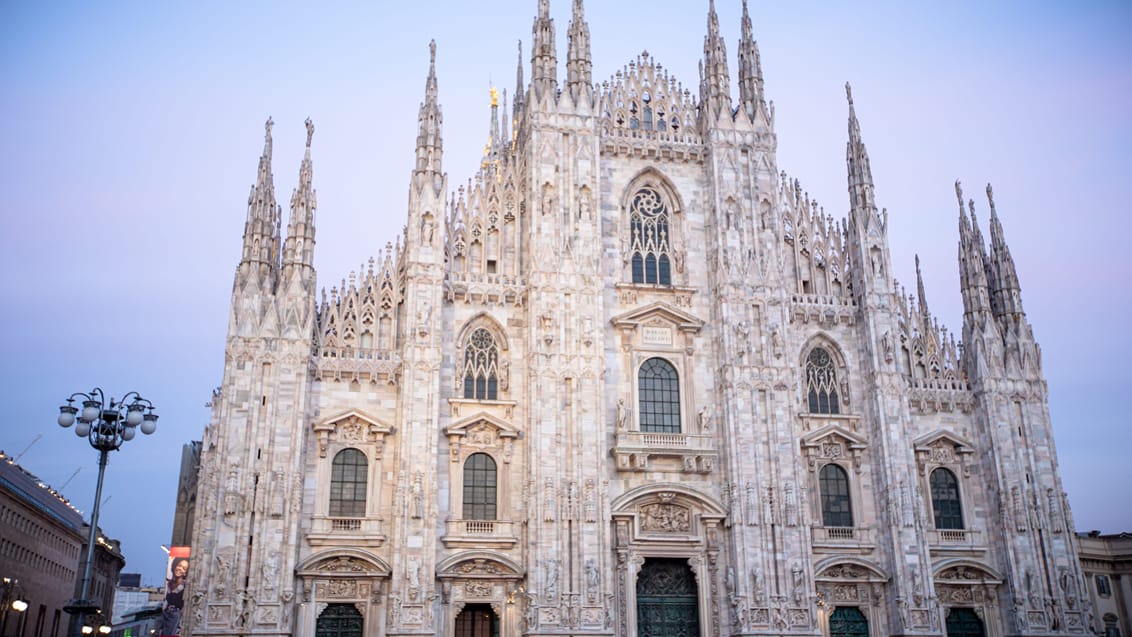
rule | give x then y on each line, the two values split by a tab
494	97
432	51
849	93
310	131
959	193
990	196
267	125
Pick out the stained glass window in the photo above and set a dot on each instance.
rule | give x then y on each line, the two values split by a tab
821	383
348	476
659	393
649	247
481	366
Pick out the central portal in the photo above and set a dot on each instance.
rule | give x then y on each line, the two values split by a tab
667	599
477	620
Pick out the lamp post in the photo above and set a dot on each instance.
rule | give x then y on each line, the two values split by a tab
106	425
11	599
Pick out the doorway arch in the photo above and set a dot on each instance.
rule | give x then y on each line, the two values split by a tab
339	620
477	620
964	622
667	599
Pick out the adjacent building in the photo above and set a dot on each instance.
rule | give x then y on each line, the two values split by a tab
1107	564
42	546
629	380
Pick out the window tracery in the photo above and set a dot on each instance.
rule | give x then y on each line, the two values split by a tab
650	245
821	383
481	366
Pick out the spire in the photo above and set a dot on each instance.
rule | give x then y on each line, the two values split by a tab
430	145
925	313
579	68
520	87
544	58
261	231
857	159
751	95
299	247
715	81
972	262
1008	292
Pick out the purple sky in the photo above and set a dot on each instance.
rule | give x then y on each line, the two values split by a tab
131	132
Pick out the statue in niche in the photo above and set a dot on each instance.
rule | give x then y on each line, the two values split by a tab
585	207
705	419
593	578
428	229
416	499
623	415
548	200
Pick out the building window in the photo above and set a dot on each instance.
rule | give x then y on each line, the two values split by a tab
1103	587
479	487
945	500
835	502
348	478
821	383
650	238
659	393
481	366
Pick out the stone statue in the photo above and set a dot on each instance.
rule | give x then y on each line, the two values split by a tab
623	415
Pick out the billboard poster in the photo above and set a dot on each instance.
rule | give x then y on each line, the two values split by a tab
175	576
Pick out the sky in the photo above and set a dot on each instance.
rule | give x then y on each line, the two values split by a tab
131	133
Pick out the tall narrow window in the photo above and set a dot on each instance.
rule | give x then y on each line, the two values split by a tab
835	503
348	476
479	487
821	383
659	392
650	251
481	366
945	500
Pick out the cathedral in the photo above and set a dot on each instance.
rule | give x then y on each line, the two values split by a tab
630	380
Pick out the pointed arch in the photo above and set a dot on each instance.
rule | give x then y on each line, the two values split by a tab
482	362
825	376
652	235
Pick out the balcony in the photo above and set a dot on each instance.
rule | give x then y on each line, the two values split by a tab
480	534
953	541
328	531
650	451
853	539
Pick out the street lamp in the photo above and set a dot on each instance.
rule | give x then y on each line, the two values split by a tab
106	426
11	599
96	623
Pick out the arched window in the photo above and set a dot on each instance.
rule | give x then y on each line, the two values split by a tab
945	500
481	366
649	241
659	393
821	383
348	476
479	487
835	503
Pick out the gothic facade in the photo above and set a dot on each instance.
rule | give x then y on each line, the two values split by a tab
629	380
